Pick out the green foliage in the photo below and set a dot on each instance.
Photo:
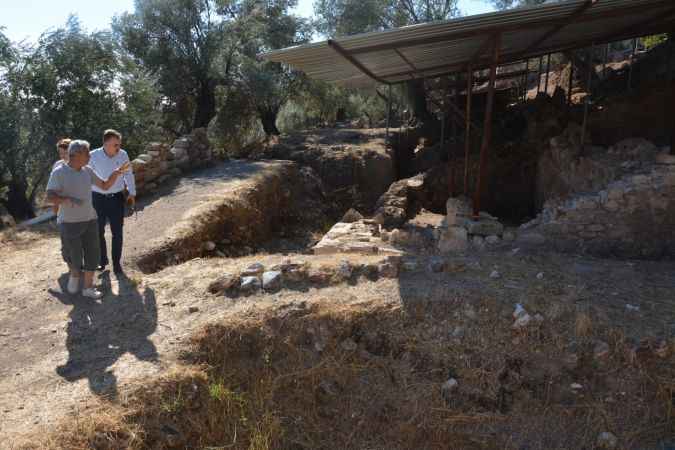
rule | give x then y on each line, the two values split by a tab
506	4
652	41
181	42
71	84
345	17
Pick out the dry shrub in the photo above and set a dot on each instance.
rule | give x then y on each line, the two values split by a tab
347	377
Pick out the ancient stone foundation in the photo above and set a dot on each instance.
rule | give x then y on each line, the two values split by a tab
631	215
161	162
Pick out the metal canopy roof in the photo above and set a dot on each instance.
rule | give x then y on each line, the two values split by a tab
440	48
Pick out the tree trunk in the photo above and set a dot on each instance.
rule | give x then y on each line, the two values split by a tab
269	122
206	104
417	98
18	204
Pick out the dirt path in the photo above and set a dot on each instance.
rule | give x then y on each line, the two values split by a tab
55	349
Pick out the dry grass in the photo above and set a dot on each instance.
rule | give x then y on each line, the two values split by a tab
346	377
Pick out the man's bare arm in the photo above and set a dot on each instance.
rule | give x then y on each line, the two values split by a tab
107	184
56	199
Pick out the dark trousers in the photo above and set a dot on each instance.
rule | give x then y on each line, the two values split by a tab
110	209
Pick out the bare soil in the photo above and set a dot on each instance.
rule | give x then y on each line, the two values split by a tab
107	372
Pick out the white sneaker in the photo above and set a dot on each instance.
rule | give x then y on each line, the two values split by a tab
92	292
73	284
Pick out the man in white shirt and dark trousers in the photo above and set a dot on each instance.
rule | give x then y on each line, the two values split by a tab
109	204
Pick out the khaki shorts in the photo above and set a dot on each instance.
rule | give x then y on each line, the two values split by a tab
81	245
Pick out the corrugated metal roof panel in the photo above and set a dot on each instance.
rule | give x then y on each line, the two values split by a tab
442	47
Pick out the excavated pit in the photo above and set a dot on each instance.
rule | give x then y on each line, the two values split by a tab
277	200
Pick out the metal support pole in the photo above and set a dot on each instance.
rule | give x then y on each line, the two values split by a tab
589	93
548	71
632	61
571	83
671	82
386	139
541	63
454	102
487	128
467	130
526	76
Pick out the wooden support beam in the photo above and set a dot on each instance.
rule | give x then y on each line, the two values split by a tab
346	55
487	129
467	129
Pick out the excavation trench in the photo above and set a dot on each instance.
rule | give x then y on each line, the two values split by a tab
280	199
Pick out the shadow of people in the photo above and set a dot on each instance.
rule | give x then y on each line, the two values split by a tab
101	331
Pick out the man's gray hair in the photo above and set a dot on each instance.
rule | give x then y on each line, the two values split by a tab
78	146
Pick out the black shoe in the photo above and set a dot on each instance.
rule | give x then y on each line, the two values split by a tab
101	267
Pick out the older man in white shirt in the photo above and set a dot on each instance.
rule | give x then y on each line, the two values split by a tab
109	203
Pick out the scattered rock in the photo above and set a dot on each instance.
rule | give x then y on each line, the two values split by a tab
509	235
632	308
453	239
344	270
410	266
352	216
271	280
601	350
495	275
484	226
296	274
576	386
253	270
209	246
249	284
349	345
437	264
519	311
470	312
522	321
540	276
492	240
387	270
223	283
458	332
538	318
607	441
478	242
193	309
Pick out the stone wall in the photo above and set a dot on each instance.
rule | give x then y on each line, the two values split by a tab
161	162
632	215
354	165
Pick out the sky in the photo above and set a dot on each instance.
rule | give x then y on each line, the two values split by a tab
27	19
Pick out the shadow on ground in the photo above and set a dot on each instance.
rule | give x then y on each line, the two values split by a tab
102	331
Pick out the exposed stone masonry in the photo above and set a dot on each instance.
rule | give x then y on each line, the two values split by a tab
632	216
161	162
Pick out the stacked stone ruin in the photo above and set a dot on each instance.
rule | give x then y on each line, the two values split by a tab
632	216
161	162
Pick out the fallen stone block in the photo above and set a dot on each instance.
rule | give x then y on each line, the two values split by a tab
271	280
